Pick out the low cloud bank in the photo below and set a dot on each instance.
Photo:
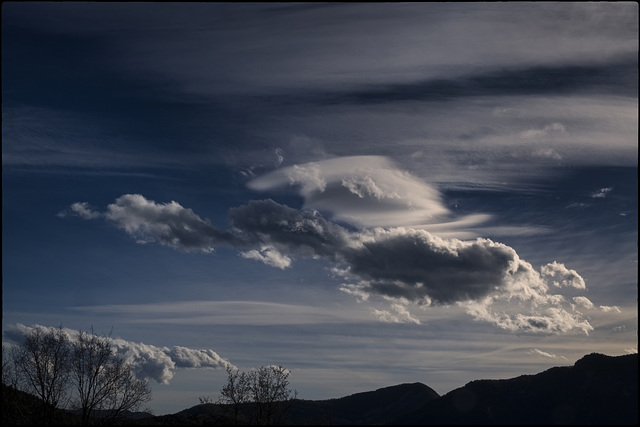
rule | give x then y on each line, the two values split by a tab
149	362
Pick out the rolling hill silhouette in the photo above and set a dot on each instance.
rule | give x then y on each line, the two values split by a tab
597	389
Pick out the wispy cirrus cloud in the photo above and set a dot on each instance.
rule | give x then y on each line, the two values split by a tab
545	354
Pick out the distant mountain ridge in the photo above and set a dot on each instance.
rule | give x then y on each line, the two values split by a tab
379	407
597	389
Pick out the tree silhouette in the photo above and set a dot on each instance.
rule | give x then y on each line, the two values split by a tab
82	373
41	367
260	396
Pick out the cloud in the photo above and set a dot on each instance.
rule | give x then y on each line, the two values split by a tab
197	358
279	156
148	361
610	308
269	256
82	210
550	320
545	354
416	265
583	302
366	191
265	223
211	313
544	132
563	276
168	224
402	265
547	153
398	314
601	193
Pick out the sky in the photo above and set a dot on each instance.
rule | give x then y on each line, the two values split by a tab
367	194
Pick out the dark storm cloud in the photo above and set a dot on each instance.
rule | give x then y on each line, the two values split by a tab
398	262
415	265
401	262
304	233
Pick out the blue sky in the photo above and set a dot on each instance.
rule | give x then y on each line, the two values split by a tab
367	194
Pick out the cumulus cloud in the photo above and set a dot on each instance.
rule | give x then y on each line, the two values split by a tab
269	256
551	319
80	209
166	223
407	265
583	302
601	193
149	362
196	358
416	264
562	276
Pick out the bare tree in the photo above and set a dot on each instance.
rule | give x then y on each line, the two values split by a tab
85	371
260	396
271	393
41	366
9	375
103	381
236	392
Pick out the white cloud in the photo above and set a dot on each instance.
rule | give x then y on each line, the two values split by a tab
148	361
269	256
409	264
583	302
82	210
545	354
601	193
168	224
546	131
550	320
398	313
197	358
367	191
608	308
563	276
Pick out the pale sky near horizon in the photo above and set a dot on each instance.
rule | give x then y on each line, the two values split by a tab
367	194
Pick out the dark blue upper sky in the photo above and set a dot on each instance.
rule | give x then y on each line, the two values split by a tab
367	194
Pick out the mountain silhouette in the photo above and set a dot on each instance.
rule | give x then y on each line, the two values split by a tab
597	389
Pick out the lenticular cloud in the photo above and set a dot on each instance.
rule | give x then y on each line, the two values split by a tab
406	265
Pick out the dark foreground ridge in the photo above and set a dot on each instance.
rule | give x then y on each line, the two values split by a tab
597	389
